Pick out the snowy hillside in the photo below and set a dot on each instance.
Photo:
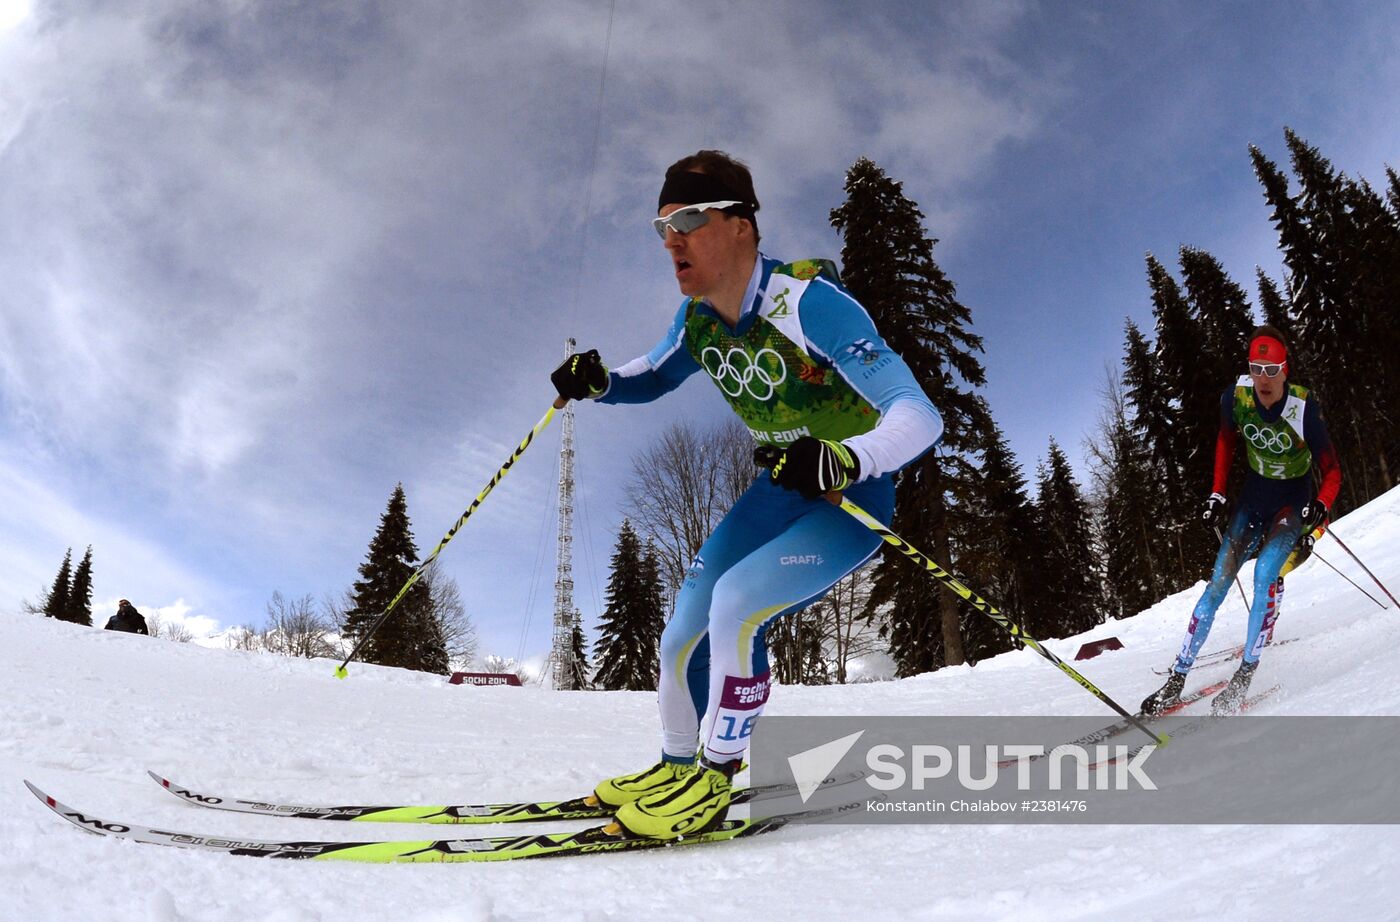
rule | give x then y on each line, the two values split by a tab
86	713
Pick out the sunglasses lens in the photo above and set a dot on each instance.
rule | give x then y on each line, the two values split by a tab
682	221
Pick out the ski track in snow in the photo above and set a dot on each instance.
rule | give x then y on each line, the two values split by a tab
86	712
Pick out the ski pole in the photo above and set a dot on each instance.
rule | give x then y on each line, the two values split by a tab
990	610
1347	578
1361	565
1238	585
340	672
766	456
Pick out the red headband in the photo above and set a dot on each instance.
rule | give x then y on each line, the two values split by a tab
1267	349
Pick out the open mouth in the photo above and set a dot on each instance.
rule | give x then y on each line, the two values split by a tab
682	265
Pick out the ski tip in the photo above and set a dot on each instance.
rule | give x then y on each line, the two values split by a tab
159	779
340	672
44	798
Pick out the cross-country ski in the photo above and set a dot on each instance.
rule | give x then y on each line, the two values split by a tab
576	808
594	840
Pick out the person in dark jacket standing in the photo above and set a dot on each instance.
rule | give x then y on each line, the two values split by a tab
127	619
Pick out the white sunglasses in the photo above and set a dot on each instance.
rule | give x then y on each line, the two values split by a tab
1266	369
691	217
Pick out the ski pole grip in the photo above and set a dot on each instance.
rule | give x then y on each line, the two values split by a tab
767	456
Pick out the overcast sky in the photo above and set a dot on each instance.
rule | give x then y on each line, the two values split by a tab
261	261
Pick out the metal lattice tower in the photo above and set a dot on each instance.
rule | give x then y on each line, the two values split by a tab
565	615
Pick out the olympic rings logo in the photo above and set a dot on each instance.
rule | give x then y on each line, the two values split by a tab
738	371
1270	440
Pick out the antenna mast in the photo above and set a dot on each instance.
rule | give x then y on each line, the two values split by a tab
566	616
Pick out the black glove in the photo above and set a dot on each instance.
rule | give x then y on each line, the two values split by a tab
811	466
1214	510
583	376
1302	549
1313	514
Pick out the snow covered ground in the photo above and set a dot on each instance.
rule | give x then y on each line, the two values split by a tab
86	712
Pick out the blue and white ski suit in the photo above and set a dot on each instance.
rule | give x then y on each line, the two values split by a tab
806	352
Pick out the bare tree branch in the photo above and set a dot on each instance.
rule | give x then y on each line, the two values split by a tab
846	636
684	484
178	633
295	627
499	664
458	630
244	637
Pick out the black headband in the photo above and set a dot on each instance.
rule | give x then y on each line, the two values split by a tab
695	188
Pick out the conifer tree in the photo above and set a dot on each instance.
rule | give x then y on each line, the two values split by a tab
890	269
998	549
1130	506
1152	425
1194	400
654	579
427	642
629	634
1224	317
1303	266
411	637
1373	260
1152	414
1332	316
1225	320
1178	336
80	596
1069	597
56	605
578	650
1277	314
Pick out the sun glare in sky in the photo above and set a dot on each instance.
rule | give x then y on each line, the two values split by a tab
13	12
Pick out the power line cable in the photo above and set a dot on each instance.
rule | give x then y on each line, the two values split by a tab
592	164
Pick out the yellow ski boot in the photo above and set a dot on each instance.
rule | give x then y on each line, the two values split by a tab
624	789
693	804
